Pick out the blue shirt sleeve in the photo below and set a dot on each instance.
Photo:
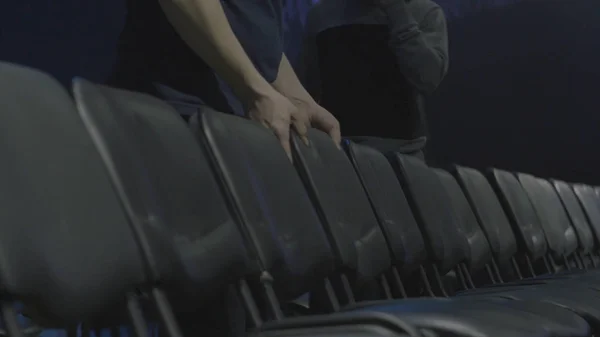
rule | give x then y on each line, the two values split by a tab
258	25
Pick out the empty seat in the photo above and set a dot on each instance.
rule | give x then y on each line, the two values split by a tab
478	269
589	202
491	218
447	246
59	211
391	208
524	221
579	221
561	237
153	180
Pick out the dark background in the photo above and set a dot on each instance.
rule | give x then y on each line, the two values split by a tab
521	94
523	90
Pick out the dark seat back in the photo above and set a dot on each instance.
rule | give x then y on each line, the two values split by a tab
576	215
589	202
479	248
59	211
432	208
345	211
390	205
191	242
489	212
553	218
279	223
519	210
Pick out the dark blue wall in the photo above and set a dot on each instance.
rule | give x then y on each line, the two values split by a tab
521	93
63	37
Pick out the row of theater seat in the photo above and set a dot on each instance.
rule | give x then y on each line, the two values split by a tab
112	208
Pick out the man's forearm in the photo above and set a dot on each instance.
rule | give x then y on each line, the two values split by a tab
288	84
202	24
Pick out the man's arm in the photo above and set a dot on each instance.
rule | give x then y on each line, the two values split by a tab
421	50
202	24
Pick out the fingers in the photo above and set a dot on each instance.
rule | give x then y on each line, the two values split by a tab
300	124
252	115
325	122
336	134
287	148
282	131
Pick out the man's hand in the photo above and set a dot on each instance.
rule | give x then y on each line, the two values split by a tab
325	121
309	113
318	117
276	112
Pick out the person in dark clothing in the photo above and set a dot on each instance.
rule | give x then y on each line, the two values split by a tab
225	54
370	62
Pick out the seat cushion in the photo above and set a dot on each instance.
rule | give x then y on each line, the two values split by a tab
588	279
484	316
584	302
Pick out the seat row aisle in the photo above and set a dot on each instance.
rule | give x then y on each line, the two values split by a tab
115	211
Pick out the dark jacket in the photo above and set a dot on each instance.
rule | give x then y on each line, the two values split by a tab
371	66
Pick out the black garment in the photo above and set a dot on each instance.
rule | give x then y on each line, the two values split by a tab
150	52
362	85
370	64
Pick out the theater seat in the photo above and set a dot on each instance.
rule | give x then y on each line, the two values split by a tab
59	212
590	203
153	181
585	236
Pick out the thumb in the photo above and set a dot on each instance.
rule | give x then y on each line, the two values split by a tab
283	134
287	148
